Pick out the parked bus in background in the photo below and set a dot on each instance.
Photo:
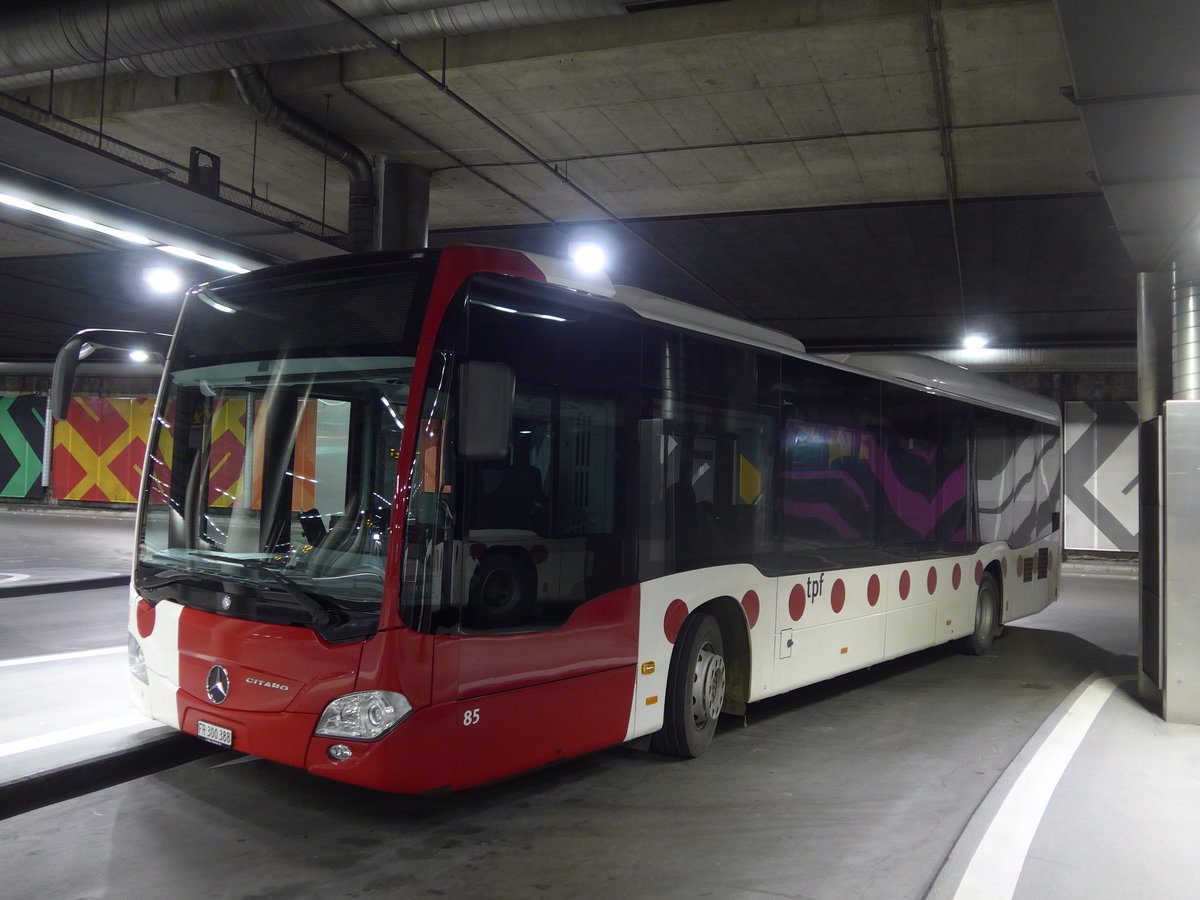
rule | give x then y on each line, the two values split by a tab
424	520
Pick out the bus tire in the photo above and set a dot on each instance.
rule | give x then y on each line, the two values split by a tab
501	593
987	616
695	689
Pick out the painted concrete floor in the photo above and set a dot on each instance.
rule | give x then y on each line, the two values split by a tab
877	785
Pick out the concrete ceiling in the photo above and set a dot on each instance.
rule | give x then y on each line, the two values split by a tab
868	174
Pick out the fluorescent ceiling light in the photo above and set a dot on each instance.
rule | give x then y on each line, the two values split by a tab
78	221
120	234
222	264
975	341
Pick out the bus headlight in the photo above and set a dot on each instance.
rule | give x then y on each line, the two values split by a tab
364	716
137	661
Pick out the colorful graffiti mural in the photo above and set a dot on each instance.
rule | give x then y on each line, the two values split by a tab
99	448
22	431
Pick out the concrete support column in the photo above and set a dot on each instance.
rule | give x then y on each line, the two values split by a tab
1179	480
403	207
1154	299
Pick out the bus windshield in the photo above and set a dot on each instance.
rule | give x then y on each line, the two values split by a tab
273	459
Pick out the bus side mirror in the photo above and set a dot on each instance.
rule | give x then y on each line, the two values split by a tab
81	345
485	410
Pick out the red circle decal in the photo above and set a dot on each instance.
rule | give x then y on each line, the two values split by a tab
838	598
477	551
956	576
145	618
539	553
796	602
1004	567
873	590
905	584
750	605
979	571
673	620
931	580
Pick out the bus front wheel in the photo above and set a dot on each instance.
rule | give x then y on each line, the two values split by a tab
695	689
987	616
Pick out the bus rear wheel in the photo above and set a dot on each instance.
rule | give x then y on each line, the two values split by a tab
695	689
501	593
987	616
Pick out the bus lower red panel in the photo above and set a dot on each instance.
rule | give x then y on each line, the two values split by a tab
457	745
281	737
601	634
270	667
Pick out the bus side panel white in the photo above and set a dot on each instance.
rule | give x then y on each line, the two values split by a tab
665	602
161	650
1024	598
955	606
911	628
834	622
825	651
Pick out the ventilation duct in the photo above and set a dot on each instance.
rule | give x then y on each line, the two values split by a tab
253	89
196	52
71	34
1185	334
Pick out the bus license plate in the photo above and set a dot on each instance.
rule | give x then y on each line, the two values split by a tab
214	734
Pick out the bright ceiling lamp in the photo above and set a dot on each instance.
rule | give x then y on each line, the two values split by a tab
589	257
163	280
72	219
975	341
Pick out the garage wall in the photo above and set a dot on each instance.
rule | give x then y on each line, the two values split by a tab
99	449
1100	475
22	432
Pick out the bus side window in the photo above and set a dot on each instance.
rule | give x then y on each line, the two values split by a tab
707	454
541	527
829	478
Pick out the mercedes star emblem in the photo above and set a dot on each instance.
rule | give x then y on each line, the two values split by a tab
217	684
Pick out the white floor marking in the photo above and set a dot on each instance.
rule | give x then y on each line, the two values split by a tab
7	577
57	657
994	869
41	741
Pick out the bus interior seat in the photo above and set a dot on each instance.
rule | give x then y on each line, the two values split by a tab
517	502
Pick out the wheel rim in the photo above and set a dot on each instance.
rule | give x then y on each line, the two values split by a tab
499	592
708	686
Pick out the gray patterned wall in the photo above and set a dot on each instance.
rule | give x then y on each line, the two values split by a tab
1101	475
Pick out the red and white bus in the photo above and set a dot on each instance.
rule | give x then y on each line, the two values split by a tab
425	520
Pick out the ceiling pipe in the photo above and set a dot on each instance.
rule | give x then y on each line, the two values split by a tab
64	35
435	18
252	88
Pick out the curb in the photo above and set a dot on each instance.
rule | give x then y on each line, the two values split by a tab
1090	567
27	589
74	780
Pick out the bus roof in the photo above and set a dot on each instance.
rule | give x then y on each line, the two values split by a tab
672	312
937	377
910	369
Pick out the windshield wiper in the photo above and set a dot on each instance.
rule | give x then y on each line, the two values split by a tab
324	611
171	576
